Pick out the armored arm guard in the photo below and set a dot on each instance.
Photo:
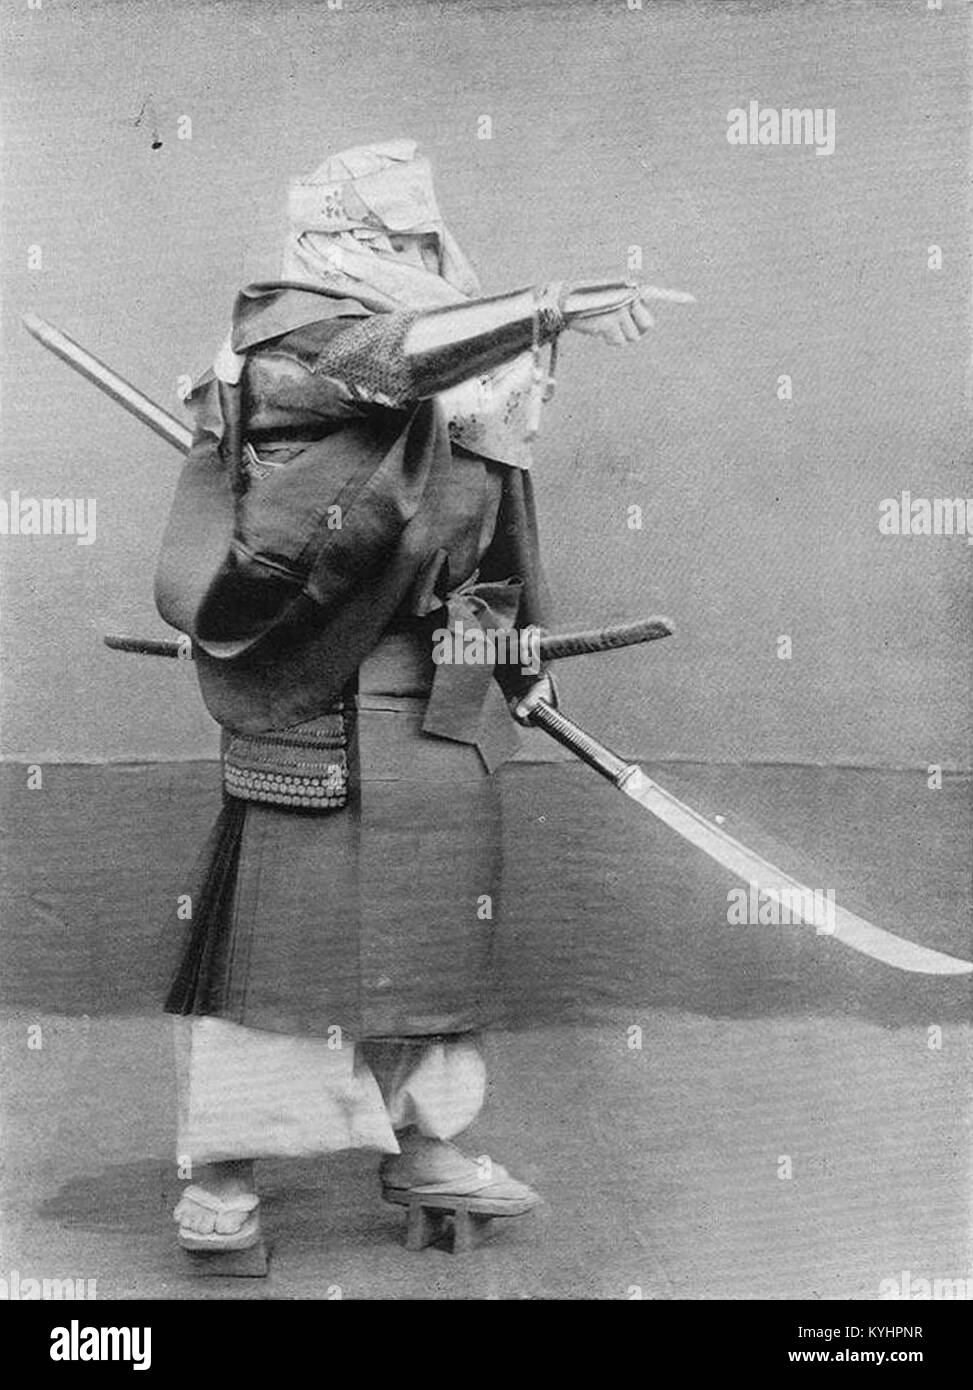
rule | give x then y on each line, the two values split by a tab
394	359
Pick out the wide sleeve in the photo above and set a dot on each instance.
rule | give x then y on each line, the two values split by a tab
237	561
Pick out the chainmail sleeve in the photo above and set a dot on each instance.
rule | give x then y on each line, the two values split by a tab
367	358
396	358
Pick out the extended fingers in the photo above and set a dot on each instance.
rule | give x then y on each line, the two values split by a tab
641	317
647	292
630	330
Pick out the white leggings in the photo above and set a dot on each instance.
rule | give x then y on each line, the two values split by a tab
250	1094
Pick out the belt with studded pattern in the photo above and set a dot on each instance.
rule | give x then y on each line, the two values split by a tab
305	768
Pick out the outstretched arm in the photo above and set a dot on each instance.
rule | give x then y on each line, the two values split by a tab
398	358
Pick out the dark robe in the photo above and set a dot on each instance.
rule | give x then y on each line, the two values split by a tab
371	917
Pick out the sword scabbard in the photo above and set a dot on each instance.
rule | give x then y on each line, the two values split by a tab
122	392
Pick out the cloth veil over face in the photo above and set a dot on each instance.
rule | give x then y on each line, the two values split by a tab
343	215
342	218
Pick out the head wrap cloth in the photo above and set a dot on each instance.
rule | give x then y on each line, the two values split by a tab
345	211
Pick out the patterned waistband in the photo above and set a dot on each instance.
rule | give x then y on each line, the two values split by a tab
305	767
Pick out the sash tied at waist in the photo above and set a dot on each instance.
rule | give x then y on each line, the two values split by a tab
465	703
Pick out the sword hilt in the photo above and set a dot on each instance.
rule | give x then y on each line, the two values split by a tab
181	648
580	743
557	645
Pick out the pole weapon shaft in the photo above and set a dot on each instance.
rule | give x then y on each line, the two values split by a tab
121	391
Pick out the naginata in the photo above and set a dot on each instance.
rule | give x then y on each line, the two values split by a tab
358	481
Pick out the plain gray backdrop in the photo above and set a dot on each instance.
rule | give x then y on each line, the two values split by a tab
760	517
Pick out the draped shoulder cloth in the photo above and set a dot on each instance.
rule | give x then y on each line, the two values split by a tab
322	498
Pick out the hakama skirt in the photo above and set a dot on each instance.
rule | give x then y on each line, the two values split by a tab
377	919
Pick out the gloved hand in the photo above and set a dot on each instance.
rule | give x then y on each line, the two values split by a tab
625	324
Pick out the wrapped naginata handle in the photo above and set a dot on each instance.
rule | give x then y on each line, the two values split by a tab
551	647
579	742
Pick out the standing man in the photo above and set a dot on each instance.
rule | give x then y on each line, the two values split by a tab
358	482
